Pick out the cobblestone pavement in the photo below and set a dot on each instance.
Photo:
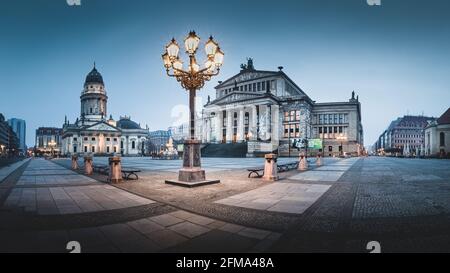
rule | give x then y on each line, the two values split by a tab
402	203
45	205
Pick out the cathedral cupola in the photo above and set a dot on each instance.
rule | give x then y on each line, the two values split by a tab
94	98
94	77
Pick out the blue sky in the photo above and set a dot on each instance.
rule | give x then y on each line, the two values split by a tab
395	56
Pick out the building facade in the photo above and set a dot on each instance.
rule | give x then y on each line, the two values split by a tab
158	140
437	136
9	142
20	128
93	133
406	133
268	111
48	141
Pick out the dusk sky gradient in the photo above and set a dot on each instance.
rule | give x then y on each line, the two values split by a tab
395	56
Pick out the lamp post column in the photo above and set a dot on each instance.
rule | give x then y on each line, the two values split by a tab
192	113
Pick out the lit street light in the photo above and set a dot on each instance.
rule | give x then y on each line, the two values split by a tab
192	79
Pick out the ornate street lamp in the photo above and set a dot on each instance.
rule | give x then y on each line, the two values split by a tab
192	78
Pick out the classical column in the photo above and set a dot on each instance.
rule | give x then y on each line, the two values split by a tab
218	126
275	124
229	126
240	129
208	128
254	123
267	122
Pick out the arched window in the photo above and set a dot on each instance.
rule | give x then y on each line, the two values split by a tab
442	139
133	144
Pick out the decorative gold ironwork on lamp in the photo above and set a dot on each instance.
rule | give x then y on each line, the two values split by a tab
192	78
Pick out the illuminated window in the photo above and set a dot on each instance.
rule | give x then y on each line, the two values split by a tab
292	118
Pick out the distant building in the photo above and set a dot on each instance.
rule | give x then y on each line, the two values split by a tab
180	132
93	133
437	136
19	127
48	141
157	141
266	111
405	132
9	142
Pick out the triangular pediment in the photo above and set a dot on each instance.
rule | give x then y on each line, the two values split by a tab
101	126
239	96
247	76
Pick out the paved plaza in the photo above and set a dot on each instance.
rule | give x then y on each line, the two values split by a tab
340	206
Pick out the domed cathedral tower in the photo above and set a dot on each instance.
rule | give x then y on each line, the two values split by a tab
93	99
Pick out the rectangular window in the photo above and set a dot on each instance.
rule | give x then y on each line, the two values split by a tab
93	139
93	149
259	86
297	130
246	87
107	149
341	118
85	149
340	129
320	119
286	130
115	149
320	130
263	86
272	85
85	139
108	139
254	87
297	115
335	130
250	87
286	116
292	118
241	88
325	119
325	130
330	118
335	118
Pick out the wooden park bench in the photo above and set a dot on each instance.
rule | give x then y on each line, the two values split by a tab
287	167
128	172
281	168
256	171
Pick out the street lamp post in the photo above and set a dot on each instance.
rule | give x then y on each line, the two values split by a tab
192	79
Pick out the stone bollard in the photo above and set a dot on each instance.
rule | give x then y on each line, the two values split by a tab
303	164
88	170
74	162
115	169
270	167
319	160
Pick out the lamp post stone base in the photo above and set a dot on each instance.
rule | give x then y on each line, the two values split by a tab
191	175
